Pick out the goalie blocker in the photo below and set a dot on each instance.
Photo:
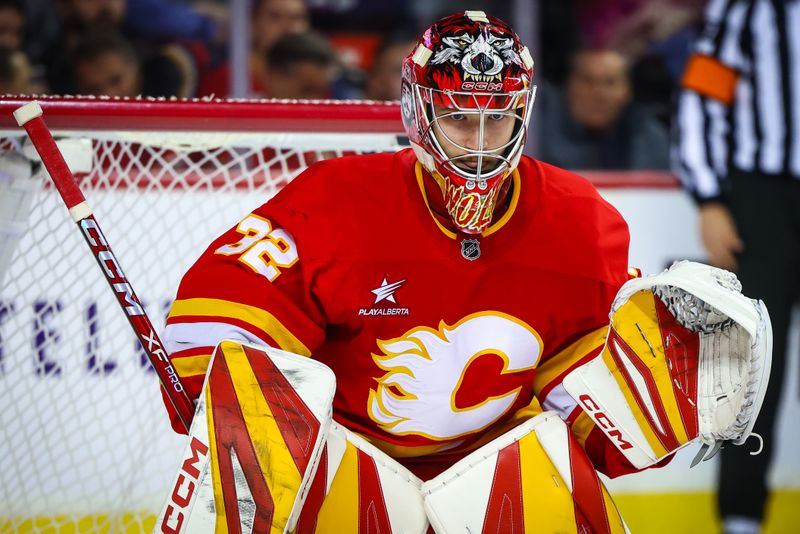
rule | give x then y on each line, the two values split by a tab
687	357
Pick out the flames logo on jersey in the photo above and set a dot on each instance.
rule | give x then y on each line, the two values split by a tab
425	369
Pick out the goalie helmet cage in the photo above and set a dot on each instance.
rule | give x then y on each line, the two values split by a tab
84	440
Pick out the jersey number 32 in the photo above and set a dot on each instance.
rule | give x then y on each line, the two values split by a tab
264	249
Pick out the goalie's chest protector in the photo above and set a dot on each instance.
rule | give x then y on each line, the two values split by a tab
435	336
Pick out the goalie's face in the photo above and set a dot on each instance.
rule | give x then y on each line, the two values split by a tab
472	141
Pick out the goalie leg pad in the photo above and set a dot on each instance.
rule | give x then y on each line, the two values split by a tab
534	478
254	444
366	491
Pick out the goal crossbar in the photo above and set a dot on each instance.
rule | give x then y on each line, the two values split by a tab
210	115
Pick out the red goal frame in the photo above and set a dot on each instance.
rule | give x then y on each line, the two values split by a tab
148	114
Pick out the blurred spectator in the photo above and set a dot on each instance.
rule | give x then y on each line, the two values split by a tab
301	65
655	37
170	71
383	82
630	25
106	64
168	20
271	20
598	126
80	16
356	28
663	27
12	24
15	72
362	16
165	46
42	28
158	20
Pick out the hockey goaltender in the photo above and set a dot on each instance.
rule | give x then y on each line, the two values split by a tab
527	355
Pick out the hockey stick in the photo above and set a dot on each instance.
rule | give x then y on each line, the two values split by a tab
29	117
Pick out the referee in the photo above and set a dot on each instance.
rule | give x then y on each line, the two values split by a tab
737	151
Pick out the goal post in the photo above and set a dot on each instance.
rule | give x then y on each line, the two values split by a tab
85	443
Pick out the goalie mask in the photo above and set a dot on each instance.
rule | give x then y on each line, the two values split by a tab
466	97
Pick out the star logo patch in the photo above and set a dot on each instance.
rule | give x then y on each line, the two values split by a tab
386	290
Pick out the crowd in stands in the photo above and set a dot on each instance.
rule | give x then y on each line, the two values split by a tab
607	70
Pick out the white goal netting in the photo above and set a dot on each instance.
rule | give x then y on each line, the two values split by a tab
85	445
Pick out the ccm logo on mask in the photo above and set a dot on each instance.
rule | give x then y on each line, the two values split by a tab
481	86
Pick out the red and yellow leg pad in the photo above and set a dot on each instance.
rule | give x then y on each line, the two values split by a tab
535	478
254	445
359	489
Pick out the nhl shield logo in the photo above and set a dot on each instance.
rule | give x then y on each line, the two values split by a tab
471	249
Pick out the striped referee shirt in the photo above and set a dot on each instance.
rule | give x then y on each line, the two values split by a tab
740	102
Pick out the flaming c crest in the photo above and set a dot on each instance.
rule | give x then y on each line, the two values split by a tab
425	367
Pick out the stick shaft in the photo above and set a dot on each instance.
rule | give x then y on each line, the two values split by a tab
30	118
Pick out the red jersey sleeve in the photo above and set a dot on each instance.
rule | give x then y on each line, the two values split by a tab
254	285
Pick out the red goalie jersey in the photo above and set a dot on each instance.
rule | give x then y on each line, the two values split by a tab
439	341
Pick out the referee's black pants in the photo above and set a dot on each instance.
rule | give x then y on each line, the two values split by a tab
766	210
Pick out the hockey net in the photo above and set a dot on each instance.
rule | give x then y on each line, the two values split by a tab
85	444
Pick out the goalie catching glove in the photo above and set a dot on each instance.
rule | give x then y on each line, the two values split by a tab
687	357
